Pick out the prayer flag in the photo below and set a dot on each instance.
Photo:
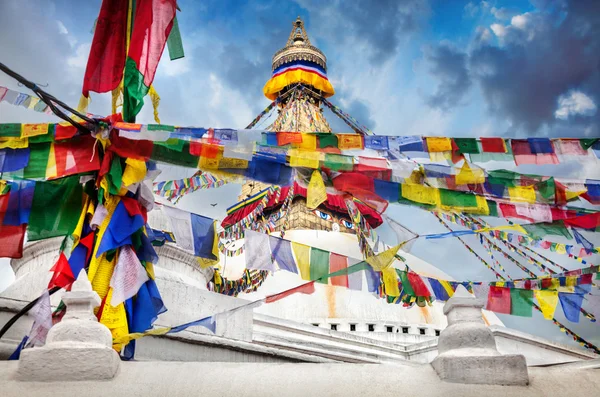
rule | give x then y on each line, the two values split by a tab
421	194
338	263
194	233
319	265
571	305
42	321
55	209
390	281
418	286
540	145
522	194
355	277
384	259
307	289
282	253
466	145
438	144
547	299
302	158
410	143
257	251
106	61
350	141
442	290
466	175
493	145
19	203
328	140
76	156
316	194
128	276
499	300
151	27
376	142
302	254
521	302
13	159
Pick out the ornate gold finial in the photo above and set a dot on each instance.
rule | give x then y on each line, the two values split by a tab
298	34
298	47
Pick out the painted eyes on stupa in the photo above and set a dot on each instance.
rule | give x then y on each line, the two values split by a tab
347	224
323	215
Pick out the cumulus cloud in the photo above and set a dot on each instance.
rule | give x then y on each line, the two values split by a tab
541	56
381	26
448	65
575	103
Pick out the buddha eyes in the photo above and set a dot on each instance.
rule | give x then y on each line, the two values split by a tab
323	215
347	224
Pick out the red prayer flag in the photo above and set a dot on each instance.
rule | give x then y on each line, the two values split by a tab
337	263
139	150
493	145
76	156
106	61
11	237
499	300
589	221
418	285
307	288
64	131
63	276
523	155
284	138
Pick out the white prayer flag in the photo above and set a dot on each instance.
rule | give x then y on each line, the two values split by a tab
257	251
42	321
128	276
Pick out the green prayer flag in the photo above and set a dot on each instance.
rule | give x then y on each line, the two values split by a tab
587	143
169	155
406	287
454	198
337	162
319	265
161	127
11	130
56	207
328	140
493	207
546	189
115	176
38	161
467	145
174	43
521	302
539	230
504	177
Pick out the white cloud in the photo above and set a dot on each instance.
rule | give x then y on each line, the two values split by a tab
79	59
520	21
575	103
62	29
498	29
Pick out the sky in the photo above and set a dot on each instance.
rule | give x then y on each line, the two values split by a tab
410	67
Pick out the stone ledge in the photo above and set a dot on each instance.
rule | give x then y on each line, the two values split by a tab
489	369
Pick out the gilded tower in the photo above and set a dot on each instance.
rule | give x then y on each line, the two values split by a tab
298	82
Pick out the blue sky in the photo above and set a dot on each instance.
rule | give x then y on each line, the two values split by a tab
453	68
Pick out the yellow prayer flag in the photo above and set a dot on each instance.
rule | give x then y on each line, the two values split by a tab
467	175
113	316
302	254
29	130
309	142
33	102
390	281
228	162
438	144
205	163
135	171
316	191
515	227
547	300
522	194
78	229
447	287
384	259
421	194
14	143
304	158
51	171
349	141
440	157
561	248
